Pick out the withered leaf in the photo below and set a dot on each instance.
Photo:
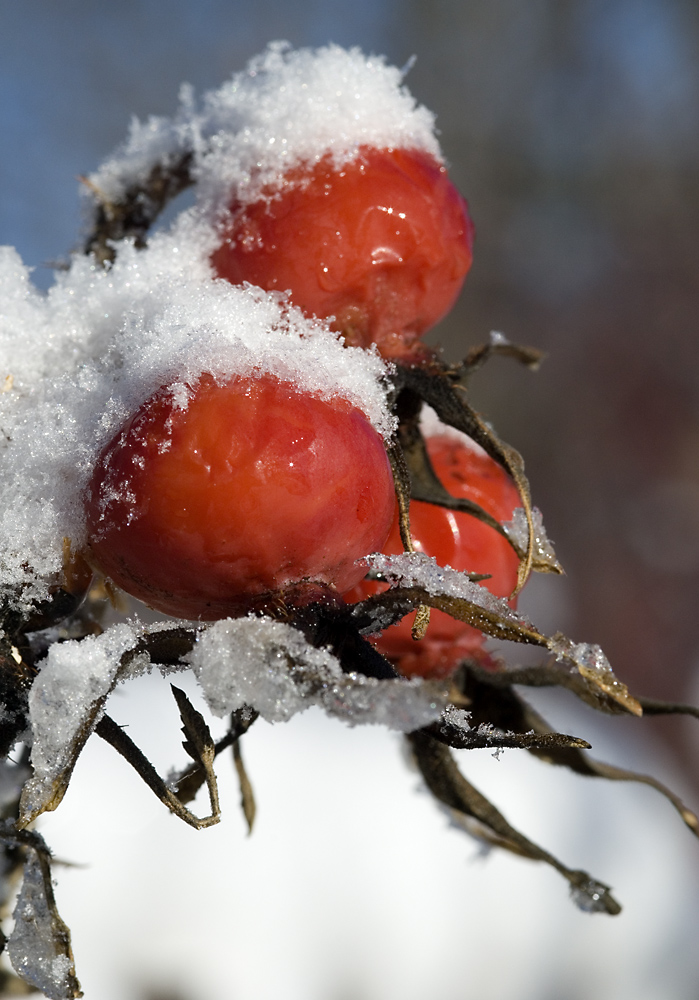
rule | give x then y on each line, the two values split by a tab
39	946
491	699
452	407
449	786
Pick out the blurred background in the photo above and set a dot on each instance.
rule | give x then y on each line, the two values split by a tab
572	128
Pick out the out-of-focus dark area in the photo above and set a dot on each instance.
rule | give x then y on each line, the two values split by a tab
572	128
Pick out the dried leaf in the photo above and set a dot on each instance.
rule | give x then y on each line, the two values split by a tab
451	406
490	698
111	733
247	796
187	784
39	946
449	786
140	206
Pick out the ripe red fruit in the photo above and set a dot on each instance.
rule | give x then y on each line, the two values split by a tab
383	244
249	487
457	540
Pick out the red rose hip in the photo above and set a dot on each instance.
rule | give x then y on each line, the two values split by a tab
382	243
458	540
199	505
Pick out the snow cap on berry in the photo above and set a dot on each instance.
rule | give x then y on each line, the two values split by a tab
286	108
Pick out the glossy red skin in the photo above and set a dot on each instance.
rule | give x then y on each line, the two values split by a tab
251	488
382	244
457	540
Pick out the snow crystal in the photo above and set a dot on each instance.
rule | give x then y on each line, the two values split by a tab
458	717
72	680
584	654
37	949
518	530
269	666
87	354
286	107
415	569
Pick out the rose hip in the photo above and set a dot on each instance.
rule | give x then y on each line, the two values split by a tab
382	244
200	504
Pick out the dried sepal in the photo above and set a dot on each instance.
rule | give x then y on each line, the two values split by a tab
199	744
584	685
111	733
652	706
592	677
449	786
47	787
498	346
247	795
491	700
456	731
381	610
188	782
39	947
449	402
402	486
41	796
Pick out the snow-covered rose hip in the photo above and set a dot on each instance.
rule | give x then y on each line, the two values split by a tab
458	540
382	243
215	493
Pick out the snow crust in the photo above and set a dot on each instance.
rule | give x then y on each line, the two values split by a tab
287	107
82	358
269	666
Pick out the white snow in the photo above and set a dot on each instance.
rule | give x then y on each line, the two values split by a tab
269	666
287	107
518	530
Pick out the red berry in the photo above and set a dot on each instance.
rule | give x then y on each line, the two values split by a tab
250	487
460	541
383	244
